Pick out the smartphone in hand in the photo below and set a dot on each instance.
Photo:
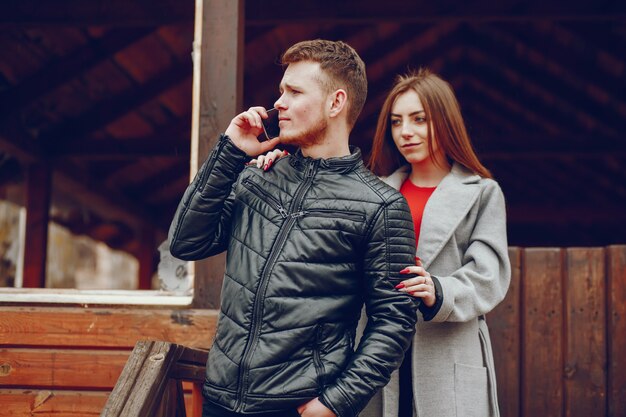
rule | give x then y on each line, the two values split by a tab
270	125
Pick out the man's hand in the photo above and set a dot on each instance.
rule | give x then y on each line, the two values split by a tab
244	130
315	408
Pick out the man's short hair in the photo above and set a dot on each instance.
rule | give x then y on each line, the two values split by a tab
343	66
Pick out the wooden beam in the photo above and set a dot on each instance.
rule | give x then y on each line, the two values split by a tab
102	328
73	133
38	186
563	215
217	97
170	141
149	13
95	13
176	146
146	256
107	204
58	72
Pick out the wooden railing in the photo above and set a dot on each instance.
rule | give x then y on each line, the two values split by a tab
151	382
560	334
559	339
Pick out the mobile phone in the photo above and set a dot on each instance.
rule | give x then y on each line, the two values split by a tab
270	125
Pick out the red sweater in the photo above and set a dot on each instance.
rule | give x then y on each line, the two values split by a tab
417	198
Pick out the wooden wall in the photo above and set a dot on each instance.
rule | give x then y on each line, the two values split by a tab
557	338
63	362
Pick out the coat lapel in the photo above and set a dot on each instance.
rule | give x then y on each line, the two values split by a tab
445	209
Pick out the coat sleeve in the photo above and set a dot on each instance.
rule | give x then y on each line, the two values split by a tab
391	314
201	225
483	280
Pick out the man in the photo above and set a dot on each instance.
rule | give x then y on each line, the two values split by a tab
309	243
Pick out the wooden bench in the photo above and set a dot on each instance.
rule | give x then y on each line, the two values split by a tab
151	381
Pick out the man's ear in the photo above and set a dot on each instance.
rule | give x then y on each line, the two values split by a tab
338	101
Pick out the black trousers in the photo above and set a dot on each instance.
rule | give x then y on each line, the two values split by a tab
210	409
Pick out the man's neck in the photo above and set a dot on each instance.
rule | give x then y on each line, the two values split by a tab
333	145
326	150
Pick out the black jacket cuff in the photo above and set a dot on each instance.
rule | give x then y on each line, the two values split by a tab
429	312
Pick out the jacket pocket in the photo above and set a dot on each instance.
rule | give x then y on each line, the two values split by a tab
317	356
470	388
335	214
266	197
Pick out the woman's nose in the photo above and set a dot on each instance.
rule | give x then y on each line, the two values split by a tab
406	130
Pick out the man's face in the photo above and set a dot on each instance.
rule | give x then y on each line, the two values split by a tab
303	112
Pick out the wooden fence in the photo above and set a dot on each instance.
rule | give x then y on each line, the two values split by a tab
559	339
560	335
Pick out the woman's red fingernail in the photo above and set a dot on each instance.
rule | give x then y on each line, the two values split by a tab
265	167
405	271
400	285
286	152
417	258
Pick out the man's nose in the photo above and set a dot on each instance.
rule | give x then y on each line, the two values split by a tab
278	104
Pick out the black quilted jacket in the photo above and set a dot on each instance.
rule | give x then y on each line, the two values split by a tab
308	243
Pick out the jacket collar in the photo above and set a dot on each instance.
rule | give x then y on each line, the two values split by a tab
339	165
445	209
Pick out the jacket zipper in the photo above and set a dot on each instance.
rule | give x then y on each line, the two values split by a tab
260	296
265	196
348	215
317	357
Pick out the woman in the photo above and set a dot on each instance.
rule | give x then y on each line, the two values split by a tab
421	147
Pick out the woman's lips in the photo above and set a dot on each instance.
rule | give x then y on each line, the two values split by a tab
410	145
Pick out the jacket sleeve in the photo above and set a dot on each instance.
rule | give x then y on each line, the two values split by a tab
391	313
201	225
483	280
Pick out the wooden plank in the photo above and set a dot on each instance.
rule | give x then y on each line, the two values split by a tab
504	328
43	403
56	369
38	194
150	382
102	328
216	99
585	359
128	378
616	329
542	337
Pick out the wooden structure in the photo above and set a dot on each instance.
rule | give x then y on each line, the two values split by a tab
151	382
61	361
98	100
558	339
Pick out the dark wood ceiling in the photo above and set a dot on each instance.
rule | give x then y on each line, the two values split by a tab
101	91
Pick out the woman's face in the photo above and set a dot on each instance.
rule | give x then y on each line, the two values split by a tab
409	128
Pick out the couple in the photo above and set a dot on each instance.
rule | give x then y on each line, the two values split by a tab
317	237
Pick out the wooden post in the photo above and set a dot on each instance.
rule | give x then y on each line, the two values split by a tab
217	97
38	187
145	257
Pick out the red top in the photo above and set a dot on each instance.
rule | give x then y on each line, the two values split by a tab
417	198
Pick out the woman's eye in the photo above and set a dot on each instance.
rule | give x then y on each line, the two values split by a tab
395	122
420	119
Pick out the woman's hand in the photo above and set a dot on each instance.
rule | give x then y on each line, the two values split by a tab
315	408
244	130
268	159
422	286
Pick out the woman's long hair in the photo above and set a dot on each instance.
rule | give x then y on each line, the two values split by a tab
445	122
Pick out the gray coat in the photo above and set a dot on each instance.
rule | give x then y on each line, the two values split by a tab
463	243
